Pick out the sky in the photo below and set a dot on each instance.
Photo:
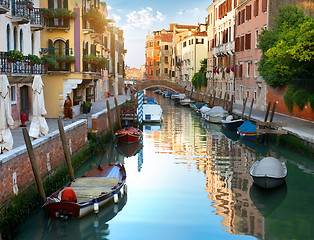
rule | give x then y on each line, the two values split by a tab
137	17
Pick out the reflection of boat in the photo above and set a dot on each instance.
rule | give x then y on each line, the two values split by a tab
129	135
251	146
267	200
268	172
83	195
129	150
248	131
231	124
230	134
215	115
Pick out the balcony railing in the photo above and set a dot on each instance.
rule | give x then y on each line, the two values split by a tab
21	67
4	6
63	57
20	11
226	48
37	19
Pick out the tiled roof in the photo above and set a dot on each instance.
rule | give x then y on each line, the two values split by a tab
166	37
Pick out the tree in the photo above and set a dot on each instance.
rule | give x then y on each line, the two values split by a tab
199	78
288	53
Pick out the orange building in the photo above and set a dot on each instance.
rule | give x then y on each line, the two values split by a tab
133	74
152	52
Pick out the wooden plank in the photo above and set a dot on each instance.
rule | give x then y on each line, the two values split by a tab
275	131
271	124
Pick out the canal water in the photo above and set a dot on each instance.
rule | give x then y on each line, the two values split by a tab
190	180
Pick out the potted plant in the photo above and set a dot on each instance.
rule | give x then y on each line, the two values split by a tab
86	106
89	96
58	13
49	60
33	59
65	58
15	56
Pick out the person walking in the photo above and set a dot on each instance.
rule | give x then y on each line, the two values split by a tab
67	108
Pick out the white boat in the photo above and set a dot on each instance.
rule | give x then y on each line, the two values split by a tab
215	115
186	101
174	95
204	110
152	112
269	172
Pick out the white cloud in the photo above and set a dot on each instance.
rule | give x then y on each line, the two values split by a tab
143	18
194	12
109	8
115	17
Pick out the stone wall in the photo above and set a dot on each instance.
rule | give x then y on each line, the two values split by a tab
15	169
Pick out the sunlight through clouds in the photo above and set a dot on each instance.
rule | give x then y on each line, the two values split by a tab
143	18
194	11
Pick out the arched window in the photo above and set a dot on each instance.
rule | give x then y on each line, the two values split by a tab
21	40
15	38
8	37
60	50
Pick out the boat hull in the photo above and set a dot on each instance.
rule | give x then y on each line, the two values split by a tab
58	208
232	125
268	182
129	135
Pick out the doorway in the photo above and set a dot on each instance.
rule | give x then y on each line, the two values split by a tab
24	101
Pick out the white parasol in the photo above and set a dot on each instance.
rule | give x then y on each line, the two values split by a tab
6	139
39	125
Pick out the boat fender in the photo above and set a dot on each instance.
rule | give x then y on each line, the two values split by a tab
96	206
115	197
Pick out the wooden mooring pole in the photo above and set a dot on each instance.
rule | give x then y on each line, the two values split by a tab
117	112
251	108
267	112
243	110
272	112
231	104
109	118
66	150
32	159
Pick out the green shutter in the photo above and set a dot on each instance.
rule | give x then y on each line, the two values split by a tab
67	45
65	4
50	3
50	47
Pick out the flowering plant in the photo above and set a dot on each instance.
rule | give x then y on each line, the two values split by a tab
15	56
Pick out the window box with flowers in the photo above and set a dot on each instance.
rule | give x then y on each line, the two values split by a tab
58	13
33	59
49	61
65	58
15	56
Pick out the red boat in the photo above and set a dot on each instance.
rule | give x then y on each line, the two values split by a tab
87	193
129	135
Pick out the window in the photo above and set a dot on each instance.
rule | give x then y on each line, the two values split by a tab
256	3
21	40
248	41
8	37
166	59
248	12
158	43
255	95
249	64
166	70
248	94
264	5
13	94
256	37
242	43
15	38
184	44
166	47
255	68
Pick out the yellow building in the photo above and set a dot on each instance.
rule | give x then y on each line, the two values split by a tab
74	44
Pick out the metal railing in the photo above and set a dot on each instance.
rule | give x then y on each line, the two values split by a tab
5	4
22	67
36	17
19	8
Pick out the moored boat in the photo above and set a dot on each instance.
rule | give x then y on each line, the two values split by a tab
268	172
87	193
215	115
231	124
186	101
248	131
152	112
129	135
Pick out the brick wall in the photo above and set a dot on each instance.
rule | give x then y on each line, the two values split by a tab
49	155
276	95
100	120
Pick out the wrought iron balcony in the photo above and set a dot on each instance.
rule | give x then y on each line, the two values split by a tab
21	67
63	56
4	6
20	11
37	19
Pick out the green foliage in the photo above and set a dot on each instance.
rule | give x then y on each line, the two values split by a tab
50	60
97	19
300	98
199	78
288	98
311	101
59	12
91	58
34	59
287	49
65	58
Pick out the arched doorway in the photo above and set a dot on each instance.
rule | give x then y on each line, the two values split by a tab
24	101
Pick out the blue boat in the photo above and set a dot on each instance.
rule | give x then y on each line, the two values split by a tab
248	131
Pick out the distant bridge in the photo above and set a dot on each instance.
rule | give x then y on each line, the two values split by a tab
145	84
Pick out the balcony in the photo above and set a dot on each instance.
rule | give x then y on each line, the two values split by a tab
4	6
58	18
224	49
94	63
60	58
19	68
20	11
36	19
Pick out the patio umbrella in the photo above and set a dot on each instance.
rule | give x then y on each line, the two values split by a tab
6	139
39	125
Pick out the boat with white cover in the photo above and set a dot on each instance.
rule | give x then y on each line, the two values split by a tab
215	115
269	172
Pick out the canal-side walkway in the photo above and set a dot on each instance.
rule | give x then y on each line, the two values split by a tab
300	128
18	139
